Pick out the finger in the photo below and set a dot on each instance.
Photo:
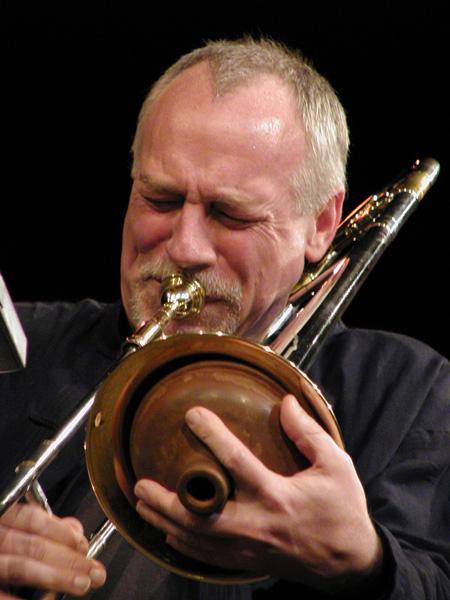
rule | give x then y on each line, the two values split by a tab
203	545
160	521
49	596
156	496
231	452
309	437
193	544
33	519
162	504
18	543
5	596
17	571
160	501
75	524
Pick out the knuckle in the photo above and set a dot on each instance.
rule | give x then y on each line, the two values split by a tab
74	524
235	458
3	535
10	540
345	462
76	562
36	548
38	520
29	517
275	503
14	570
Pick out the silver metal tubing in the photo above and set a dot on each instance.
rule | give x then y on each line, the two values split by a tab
180	298
47	450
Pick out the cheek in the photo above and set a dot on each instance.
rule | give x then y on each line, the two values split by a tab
238	253
249	259
144	232
277	265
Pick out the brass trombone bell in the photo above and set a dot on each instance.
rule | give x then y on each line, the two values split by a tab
137	430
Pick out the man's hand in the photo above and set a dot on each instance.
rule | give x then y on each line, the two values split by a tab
313	527
42	551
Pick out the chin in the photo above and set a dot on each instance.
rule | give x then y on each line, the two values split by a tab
212	320
188	329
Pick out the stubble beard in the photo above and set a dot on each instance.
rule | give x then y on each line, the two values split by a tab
223	300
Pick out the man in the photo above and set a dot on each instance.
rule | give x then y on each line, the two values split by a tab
238	178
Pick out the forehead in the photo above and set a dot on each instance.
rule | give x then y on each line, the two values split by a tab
255	123
264	104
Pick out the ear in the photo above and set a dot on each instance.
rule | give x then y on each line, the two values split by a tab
324	227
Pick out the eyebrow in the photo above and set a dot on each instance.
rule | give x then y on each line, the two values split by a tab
233	199
157	186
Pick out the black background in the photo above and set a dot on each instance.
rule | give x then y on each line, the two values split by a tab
73	80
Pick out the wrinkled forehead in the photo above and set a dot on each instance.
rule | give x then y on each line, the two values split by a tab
261	112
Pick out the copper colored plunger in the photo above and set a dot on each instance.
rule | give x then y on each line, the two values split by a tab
163	448
244	386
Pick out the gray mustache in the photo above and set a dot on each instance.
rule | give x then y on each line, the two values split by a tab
216	287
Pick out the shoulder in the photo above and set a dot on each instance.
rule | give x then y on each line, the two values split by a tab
380	348
55	324
365	355
70	347
385	388
50	316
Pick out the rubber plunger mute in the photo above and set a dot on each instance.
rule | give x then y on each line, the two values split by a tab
204	488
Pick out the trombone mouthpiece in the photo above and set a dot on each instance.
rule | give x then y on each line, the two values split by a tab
181	296
184	293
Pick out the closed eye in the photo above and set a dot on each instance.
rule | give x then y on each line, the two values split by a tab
164	206
230	220
218	213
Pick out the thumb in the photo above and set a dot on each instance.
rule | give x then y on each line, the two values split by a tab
309	437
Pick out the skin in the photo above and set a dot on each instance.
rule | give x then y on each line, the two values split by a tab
212	196
44	551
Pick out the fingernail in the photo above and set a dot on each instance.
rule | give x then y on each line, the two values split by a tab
294	403
193	417
97	576
139	490
82	583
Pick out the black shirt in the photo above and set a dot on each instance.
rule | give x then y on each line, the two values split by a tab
391	397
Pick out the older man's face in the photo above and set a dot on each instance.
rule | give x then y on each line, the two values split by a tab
212	196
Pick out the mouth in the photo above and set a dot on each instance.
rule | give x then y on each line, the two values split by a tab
209	299
214	299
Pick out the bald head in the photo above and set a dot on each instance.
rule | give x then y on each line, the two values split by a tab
258	118
235	63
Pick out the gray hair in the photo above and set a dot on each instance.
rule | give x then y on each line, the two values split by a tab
235	63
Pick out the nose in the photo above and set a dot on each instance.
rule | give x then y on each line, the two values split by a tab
190	245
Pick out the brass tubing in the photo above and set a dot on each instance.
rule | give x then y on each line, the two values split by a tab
374	236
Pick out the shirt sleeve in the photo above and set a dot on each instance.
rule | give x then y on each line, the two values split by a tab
409	502
391	396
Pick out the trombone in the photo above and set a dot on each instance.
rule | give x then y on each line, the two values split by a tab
126	406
